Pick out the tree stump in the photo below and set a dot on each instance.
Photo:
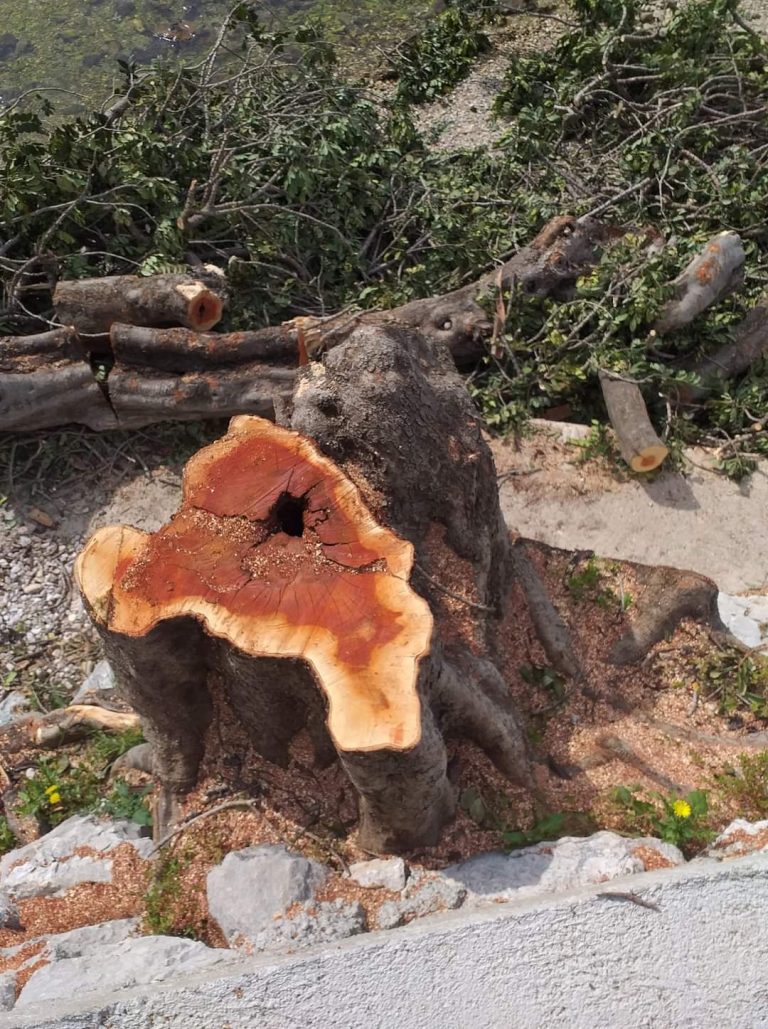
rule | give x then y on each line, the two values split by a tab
346	578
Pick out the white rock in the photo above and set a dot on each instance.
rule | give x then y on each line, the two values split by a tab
387	873
119	966
731	607
739	838
99	685
746	630
7	990
251	887
758	609
556	867
12	706
50	866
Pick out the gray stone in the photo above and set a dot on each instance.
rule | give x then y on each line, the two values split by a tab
556	867
758	609
76	942
729	607
12	706
387	873
313	923
740	838
427	893
98	687
50	866
745	629
7	990
251	887
119	966
9	913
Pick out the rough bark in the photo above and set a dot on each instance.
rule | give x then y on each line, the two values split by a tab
174	374
47	380
640	447
91	306
391	552
750	343
714	273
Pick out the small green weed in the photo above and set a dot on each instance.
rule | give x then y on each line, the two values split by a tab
7	839
159	899
550	827
588	584
60	788
599	444
746	784
125	802
735	680
681	821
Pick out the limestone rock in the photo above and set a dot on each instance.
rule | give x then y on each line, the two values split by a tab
739	838
9	913
312	923
425	894
559	866
12	705
251	887
7	990
387	873
98	688
50	866
119	966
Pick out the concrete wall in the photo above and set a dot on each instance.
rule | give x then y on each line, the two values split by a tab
579	961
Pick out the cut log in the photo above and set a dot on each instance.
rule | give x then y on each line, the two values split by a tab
92	305
640	447
750	343
160	374
714	273
286	588
47	380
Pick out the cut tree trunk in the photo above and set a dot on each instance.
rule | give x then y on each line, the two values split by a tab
640	447
343	573
91	306
47	380
163	374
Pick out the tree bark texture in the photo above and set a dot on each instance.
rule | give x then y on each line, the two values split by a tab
640	447
343	573
165	374
92	305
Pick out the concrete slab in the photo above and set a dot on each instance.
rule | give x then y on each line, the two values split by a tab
581	960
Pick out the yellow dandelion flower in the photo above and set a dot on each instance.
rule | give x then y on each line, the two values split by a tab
54	798
682	809
51	789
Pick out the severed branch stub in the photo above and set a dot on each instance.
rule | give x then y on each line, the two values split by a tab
91	306
281	591
640	447
714	273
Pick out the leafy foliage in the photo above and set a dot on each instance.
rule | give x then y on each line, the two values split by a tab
681	821
746	784
550	827
736	681
311	192
7	839
61	787
661	125
435	60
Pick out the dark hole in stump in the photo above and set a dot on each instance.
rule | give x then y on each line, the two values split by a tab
289	514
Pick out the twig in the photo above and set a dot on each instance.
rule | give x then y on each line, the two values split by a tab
450	593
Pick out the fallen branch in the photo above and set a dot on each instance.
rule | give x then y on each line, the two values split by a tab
64	725
92	305
714	273
640	447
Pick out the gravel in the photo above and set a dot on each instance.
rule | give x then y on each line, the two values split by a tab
46	643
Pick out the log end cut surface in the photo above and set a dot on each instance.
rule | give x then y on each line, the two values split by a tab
274	551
